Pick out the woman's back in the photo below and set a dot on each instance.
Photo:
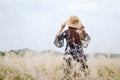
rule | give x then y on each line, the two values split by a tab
75	35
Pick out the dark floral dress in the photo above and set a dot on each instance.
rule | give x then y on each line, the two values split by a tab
76	50
74	54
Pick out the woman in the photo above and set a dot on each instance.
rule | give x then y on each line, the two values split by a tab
76	39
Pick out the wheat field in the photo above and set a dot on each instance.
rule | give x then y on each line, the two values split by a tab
48	67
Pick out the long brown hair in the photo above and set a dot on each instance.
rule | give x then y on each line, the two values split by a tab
73	36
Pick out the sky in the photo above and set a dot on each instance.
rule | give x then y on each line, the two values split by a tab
33	24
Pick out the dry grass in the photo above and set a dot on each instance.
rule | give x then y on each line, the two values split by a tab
49	67
104	68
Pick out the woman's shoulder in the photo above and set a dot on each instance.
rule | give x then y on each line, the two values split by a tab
65	32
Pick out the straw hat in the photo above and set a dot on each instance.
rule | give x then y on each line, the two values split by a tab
73	22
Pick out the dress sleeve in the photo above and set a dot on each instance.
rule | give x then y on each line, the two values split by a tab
87	37
86	40
63	35
59	40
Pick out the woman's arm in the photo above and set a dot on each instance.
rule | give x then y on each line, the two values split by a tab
59	40
61	28
86	40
